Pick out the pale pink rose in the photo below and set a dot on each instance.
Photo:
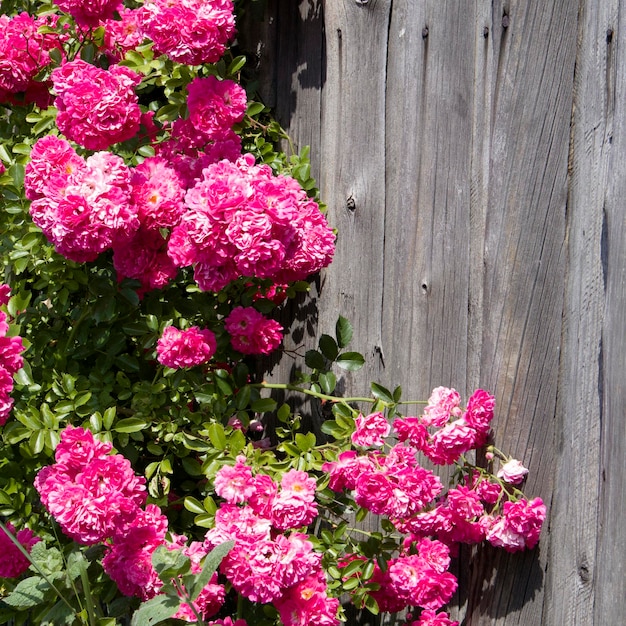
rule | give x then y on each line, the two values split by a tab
512	472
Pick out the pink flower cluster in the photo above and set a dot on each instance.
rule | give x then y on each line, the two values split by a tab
82	205
97	498
244	221
96	107
188	31
89	12
11	360
206	136
93	495
185	348
12	561
416	578
121	35
87	206
266	564
456	431
392	484
24	52
251	332
395	485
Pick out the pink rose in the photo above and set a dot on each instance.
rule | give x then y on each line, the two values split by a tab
512	472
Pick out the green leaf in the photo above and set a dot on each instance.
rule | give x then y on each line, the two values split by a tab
397	394
169	563
242	399
264	405
352	568
28	593
155	610
305	442
217	436
211	563
371	605
329	347
60	615
330	427
351	583
130	425
236	64
192	505
382	393
315	360
343	331
351	361
254	108
284	413
328	382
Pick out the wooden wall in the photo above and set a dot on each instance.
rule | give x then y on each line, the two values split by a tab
473	157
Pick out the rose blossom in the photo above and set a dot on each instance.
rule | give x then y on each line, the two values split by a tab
97	107
442	404
12	562
371	430
192	32
185	348
235	484
430	618
512	472
89	12
251	332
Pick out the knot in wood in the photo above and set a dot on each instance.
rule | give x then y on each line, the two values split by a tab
609	35
425	32
350	204
506	20
486	32
361	2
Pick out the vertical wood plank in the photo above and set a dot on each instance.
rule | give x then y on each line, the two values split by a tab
574	530
589	539
533	69
429	114
352	180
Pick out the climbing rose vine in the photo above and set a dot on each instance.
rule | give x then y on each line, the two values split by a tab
152	233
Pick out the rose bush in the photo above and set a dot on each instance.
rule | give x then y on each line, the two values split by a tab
151	231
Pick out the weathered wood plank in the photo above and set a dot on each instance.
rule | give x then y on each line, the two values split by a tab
533	68
588	535
429	118
574	530
352	179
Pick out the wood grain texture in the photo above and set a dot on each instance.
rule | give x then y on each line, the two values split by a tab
572	585
533	58
473	159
